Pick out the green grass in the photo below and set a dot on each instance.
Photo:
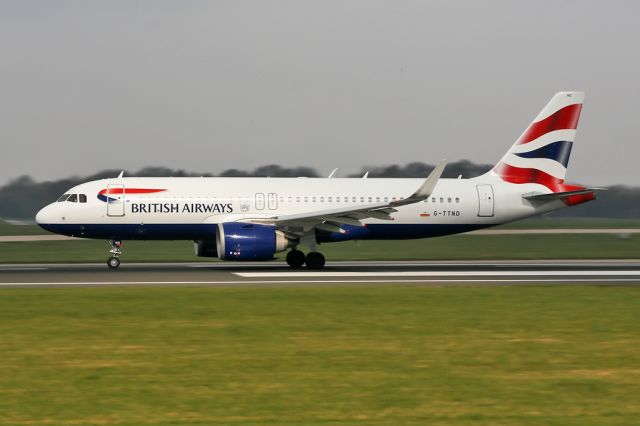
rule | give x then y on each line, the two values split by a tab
375	355
7	229
577	246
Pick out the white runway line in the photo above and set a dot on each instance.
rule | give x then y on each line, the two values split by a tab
347	274
22	269
297	283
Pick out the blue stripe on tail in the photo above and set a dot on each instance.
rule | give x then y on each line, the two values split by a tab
558	151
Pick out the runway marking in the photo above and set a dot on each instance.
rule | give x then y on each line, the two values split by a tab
386	281
436	274
22	269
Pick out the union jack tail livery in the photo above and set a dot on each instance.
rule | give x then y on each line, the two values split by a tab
541	154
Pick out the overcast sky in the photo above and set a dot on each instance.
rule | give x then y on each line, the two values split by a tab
208	86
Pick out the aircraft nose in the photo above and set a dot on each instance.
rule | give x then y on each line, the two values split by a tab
44	215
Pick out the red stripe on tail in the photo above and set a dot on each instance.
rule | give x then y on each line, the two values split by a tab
565	118
518	175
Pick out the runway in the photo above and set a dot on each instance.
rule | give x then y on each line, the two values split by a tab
433	273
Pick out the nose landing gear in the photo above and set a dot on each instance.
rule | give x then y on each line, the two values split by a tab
114	261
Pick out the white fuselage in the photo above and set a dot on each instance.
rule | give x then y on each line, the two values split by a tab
187	208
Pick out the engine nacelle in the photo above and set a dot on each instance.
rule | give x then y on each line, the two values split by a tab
248	241
205	248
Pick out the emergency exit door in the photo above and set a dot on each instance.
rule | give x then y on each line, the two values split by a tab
273	201
115	200
485	200
259	201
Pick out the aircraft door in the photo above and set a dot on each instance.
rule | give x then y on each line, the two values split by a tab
115	200
259	201
485	200
273	201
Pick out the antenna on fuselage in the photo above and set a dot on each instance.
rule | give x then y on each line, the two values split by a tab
120	175
366	175
333	173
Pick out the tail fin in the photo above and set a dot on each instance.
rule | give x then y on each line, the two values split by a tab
541	154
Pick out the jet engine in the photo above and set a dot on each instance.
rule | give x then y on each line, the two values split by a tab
248	241
205	248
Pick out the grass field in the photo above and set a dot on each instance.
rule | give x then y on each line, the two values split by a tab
368	355
577	246
9	229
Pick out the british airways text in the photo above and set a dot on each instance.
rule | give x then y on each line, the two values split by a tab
181	208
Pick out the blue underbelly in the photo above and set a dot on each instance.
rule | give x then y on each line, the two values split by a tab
208	231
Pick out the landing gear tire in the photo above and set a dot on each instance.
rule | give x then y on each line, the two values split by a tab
314	260
113	262
295	258
116	250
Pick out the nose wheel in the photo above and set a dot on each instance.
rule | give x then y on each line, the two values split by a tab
114	261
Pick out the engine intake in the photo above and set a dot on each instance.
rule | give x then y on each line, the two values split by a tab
248	241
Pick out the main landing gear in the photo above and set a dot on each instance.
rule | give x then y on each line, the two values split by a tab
114	261
313	260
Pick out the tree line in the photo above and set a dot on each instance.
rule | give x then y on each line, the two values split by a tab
23	197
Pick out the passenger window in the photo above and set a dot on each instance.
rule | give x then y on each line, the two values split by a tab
433	199
449	200
441	199
83	198
73	198
63	198
457	200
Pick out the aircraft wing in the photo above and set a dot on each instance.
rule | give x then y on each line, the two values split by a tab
331	220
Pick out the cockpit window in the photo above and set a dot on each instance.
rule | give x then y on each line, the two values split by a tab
82	198
73	198
63	198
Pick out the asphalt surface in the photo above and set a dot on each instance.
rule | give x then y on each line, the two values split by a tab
435	273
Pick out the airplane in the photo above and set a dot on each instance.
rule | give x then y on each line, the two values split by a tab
252	219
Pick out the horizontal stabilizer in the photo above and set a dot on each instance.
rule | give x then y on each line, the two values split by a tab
560	195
